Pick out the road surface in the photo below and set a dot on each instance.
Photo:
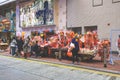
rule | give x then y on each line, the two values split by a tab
21	69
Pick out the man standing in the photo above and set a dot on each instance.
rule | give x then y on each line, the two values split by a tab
19	45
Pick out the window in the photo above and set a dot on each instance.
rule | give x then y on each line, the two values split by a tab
115	1
97	3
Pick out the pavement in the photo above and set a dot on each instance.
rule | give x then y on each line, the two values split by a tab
95	64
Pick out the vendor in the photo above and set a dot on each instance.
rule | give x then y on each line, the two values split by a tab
4	40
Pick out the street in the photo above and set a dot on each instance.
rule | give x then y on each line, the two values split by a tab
21	69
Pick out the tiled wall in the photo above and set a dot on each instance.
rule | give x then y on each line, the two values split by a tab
82	13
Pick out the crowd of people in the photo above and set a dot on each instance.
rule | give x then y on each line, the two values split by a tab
57	44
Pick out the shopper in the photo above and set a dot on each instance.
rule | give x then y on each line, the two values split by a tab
36	49
19	45
75	50
31	46
59	50
118	46
26	47
13	46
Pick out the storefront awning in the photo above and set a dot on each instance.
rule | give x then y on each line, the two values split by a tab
3	2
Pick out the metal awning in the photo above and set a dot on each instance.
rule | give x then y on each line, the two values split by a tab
3	2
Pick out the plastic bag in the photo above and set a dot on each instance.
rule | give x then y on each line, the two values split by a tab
72	45
69	54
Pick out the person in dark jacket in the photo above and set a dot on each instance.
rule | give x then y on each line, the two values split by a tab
19	45
75	50
36	49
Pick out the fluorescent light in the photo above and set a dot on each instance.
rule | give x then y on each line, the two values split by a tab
3	2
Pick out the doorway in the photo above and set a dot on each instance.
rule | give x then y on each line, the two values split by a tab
76	29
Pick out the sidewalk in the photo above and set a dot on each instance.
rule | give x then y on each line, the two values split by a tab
94	64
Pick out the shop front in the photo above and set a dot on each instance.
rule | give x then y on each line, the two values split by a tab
7	24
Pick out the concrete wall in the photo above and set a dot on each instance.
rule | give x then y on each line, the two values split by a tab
83	13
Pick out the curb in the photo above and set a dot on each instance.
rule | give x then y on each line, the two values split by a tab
77	66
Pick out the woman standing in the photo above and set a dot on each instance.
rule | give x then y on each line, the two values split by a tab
26	47
75	50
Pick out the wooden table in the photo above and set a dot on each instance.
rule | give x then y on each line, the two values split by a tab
3	46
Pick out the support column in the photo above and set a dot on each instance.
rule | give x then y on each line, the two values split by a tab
56	13
83	30
18	29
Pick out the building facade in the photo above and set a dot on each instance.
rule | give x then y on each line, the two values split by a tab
100	15
81	16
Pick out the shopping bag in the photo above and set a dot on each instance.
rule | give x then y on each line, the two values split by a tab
69	54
